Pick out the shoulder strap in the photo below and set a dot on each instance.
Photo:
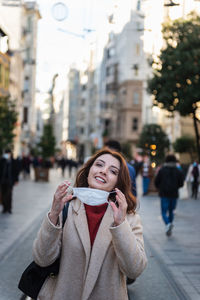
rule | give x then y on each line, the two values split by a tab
64	213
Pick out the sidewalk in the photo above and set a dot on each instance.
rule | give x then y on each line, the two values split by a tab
180	253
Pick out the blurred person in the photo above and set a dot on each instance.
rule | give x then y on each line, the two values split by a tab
192	179
115	146
62	164
137	166
101	242
70	164
9	171
195	182
25	164
168	180
147	174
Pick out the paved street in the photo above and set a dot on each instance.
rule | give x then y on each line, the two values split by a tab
173	270
179	255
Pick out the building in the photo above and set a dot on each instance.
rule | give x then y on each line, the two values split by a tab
122	79
4	64
21	30
30	19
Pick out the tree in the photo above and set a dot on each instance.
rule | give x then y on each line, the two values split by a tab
154	142
176	72
47	142
185	144
8	119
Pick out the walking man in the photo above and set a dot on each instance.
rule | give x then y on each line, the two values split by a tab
8	177
168	180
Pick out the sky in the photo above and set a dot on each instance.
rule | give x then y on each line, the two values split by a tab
63	43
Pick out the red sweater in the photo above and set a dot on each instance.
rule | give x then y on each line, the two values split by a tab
94	216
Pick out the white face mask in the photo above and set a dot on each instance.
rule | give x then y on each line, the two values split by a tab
91	196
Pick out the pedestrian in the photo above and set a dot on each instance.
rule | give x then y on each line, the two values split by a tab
168	180
115	146
26	162
147	174
62	164
192	179
195	181
101	241
9	171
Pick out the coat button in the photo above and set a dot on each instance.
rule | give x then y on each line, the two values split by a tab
52	275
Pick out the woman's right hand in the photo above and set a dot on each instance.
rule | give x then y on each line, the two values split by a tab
59	200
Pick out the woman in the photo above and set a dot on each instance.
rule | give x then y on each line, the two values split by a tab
99	245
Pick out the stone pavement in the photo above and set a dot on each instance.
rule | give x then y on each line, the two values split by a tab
179	255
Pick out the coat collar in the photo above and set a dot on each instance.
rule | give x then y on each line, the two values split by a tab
81	224
94	258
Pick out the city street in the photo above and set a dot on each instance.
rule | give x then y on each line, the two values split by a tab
173	270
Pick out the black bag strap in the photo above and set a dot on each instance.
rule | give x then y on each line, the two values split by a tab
65	213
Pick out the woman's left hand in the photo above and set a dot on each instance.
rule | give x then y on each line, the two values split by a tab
119	213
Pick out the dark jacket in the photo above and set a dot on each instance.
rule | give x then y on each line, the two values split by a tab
9	171
168	180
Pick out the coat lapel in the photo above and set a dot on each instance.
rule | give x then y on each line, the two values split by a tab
81	224
100	246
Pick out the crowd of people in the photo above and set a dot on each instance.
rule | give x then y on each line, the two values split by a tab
64	163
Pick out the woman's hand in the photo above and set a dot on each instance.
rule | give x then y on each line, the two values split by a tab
59	200
119	213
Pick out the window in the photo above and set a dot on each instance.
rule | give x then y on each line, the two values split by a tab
82	101
138	5
108	71
137	49
28	55
84	86
123	91
81	130
29	24
136	99
25	115
110	52
135	124
26	84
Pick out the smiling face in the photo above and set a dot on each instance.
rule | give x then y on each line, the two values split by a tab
103	174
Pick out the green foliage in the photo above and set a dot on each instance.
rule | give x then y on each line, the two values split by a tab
154	142
185	144
47	142
8	118
126	150
176	78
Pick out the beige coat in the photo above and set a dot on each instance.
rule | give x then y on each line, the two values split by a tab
85	274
